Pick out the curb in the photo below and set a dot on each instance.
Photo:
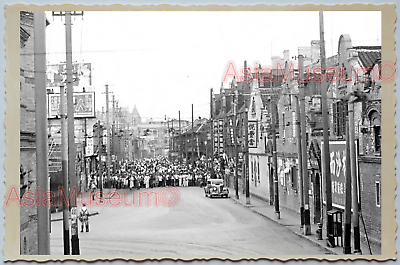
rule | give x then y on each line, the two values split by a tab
277	222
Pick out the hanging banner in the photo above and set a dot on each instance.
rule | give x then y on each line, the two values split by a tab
231	132
252	134
216	137
221	135
337	150
89	150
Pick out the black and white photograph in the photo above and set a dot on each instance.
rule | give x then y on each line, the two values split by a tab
203	134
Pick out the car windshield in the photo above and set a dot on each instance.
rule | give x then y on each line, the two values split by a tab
216	181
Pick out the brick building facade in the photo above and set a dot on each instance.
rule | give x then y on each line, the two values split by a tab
359	66
28	214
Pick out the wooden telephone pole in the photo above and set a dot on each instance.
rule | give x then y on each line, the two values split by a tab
41	129
109	137
71	130
325	127
306	198
180	137
212	132
235	128
274	157
192	151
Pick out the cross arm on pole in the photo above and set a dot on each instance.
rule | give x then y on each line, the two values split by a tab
62	13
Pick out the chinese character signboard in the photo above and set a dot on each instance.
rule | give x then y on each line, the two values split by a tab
83	103
82	74
338	159
221	135
252	132
253	108
89	149
231	132
216	137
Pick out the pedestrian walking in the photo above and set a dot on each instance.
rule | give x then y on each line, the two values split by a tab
84	217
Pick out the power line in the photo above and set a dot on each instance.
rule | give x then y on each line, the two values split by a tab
79	52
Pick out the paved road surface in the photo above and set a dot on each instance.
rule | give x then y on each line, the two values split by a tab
195	226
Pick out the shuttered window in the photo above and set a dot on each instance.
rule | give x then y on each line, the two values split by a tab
340	111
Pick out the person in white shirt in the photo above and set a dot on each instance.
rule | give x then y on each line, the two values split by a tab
84	217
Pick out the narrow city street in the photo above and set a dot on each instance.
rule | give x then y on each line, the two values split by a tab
195	226
158	109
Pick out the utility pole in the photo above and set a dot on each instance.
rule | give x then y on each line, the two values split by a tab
114	160
64	163
307	225
173	134
353	165
41	129
192	147
274	157
113	139
71	135
84	158
212	132
71	128
300	159
100	146
235	128
246	149
325	124
347	213
109	137
180	135
173	137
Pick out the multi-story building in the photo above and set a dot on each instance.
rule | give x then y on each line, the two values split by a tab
193	142
153	139
358	65
355	69
232	103
28	174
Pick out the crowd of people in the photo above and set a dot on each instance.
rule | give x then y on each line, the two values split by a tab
155	172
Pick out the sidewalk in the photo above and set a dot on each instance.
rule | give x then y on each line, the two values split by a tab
93	207
292	222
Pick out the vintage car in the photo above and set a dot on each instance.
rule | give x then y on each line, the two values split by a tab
215	187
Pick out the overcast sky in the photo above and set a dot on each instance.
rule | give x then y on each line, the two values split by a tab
162	62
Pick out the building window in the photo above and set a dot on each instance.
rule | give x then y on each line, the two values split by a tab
378	193
294	122
293	177
340	111
375	121
252	171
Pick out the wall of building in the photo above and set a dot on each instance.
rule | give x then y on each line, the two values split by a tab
370	174
28	214
259	167
259	176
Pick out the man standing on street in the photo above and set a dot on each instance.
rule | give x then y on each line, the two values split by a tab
84	217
